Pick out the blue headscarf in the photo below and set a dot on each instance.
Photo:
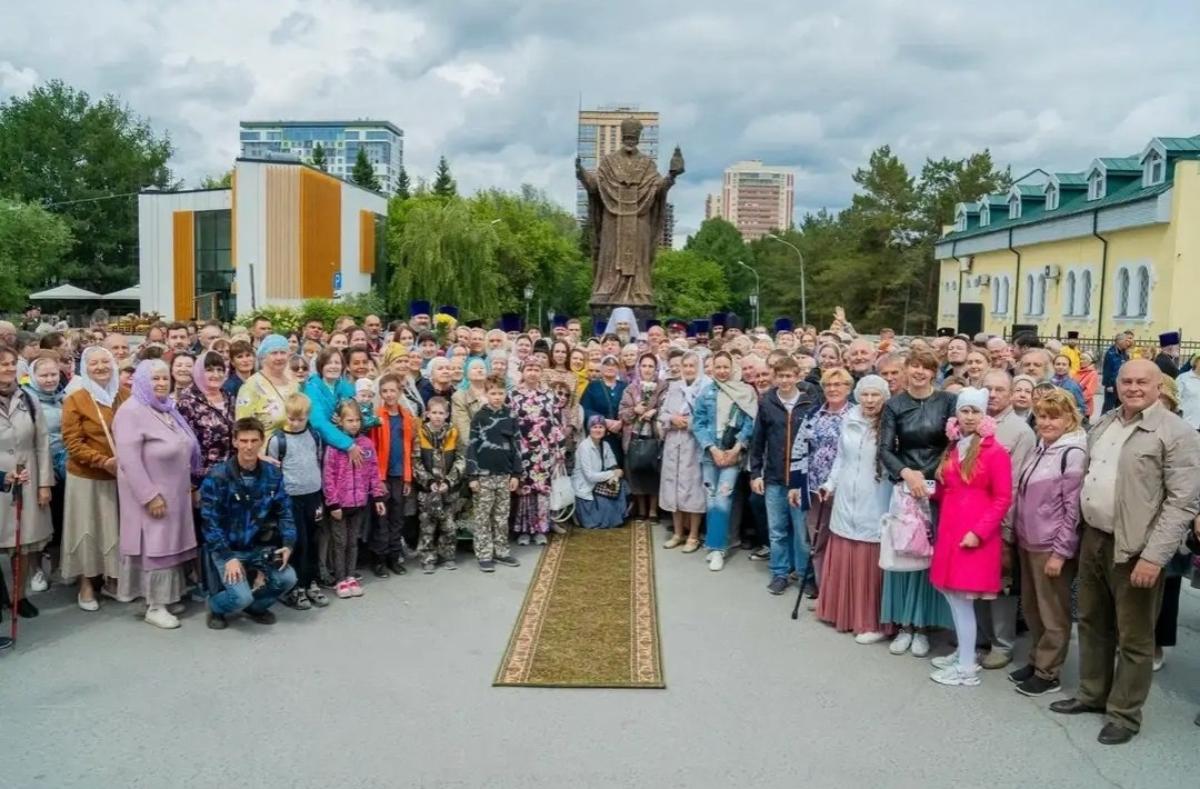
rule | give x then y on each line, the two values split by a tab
465	383
272	343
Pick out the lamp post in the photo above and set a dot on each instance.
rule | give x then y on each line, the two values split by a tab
528	298
803	293
754	298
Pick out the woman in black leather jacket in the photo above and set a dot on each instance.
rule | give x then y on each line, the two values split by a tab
912	435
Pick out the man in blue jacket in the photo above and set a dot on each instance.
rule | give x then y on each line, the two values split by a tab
249	533
1116	355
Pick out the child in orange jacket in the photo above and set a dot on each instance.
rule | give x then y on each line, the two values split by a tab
394	440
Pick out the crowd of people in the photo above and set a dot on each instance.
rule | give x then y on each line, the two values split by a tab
905	485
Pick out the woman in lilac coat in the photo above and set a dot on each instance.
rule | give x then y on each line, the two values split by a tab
156	453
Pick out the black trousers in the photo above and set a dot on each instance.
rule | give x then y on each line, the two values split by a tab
388	532
1168	615
306	558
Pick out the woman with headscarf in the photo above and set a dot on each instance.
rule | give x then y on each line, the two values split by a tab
722	425
156	454
629	362
851	581
44	377
264	394
209	412
603	398
397	359
578	364
600	492
24	443
469	397
681	488
90	517
639	407
540	440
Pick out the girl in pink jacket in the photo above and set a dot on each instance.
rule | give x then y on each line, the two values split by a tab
349	490
974	488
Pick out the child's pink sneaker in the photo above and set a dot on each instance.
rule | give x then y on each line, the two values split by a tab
356	588
344	590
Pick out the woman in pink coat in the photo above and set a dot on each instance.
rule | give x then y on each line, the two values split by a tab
974	485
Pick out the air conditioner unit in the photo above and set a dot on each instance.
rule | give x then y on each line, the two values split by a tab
983	280
1051	272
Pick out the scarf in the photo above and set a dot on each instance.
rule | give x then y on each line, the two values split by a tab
199	375
692	391
103	395
143	392
391	353
734	393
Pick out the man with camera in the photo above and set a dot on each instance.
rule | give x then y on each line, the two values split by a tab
249	533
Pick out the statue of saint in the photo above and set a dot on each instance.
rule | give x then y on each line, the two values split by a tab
627	206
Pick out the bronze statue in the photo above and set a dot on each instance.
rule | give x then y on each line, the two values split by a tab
627	206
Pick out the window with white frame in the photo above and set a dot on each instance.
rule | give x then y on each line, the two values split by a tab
1041	295
1143	291
1085	300
1014	207
1051	197
1123	293
985	215
1096	185
1030	296
1069	309
1154	169
960	222
1000	295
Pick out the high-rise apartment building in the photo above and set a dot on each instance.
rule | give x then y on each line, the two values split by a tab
757	199
600	135
712	205
382	141
668	235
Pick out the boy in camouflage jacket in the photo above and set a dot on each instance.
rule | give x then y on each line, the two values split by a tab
438	465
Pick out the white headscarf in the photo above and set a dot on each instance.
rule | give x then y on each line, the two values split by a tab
103	395
622	315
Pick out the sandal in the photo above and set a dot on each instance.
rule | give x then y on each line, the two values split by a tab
691	546
302	603
316	596
674	542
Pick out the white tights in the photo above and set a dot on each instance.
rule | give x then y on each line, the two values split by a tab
962	608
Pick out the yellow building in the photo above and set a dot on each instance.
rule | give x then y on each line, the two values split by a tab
1115	247
281	232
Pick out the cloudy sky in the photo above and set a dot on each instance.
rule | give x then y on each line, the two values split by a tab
495	84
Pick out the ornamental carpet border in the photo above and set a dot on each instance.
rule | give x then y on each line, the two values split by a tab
590	616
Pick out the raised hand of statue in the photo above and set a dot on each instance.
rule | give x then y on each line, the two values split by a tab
676	167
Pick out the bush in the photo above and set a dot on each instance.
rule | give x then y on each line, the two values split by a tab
286	319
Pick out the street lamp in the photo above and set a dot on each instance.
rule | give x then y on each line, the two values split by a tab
803	294
528	298
757	291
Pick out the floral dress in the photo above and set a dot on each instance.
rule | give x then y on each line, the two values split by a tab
213	427
822	430
541	440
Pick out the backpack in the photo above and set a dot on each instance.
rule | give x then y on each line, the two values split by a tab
280	439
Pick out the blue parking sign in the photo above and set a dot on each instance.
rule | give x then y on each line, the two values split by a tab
337	280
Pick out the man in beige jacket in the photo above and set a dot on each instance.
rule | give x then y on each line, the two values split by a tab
1138	501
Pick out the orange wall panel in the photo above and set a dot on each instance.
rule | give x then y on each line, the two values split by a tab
183	238
283	233
320	233
366	242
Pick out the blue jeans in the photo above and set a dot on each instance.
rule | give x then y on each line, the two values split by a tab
238	597
718	484
788	531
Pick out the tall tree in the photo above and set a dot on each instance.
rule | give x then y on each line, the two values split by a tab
86	160
718	240
402	184
688	285
363	173
33	242
223	181
443	184
318	157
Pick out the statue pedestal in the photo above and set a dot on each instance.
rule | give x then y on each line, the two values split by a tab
601	313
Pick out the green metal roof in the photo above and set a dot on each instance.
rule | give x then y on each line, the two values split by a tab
1180	144
1030	190
1071	179
1123	164
1000	200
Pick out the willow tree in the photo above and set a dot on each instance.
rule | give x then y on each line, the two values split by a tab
444	253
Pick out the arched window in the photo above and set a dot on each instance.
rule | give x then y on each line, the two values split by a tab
1070	308
1014	207
1123	293
1030	295
1086	296
1051	197
1007	288
1041	295
1143	291
996	296
1154	170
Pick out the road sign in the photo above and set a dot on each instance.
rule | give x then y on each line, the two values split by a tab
337	280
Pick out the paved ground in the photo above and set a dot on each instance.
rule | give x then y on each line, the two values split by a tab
395	689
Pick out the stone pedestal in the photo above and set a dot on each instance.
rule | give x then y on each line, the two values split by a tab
601	313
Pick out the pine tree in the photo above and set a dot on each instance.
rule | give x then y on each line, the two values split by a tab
318	157
443	183
363	173
402	184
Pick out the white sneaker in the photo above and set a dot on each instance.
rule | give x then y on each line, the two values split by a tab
88	605
539	539
920	645
869	638
39	582
954	676
948	661
716	560
161	617
901	643
522	539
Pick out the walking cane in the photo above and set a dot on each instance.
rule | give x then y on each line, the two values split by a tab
18	502
803	582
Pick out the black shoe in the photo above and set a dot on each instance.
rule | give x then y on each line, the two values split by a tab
396	566
778	585
6	643
262	617
1115	734
487	565
1074	707
380	570
508	561
327	582
1021	674
26	609
216	621
1038	686
357	576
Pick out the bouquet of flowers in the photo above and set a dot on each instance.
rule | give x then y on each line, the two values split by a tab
443	327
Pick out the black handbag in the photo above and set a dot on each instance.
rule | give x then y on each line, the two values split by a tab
730	433
644	453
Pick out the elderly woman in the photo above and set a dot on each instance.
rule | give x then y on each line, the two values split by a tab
681	491
541	444
209	412
156	454
182	363
639	407
1022	396
722	425
851	581
398	360
822	429
603	398
891	369
90	519
439	383
264	394
44	387
469	397
600	493
912	438
25	460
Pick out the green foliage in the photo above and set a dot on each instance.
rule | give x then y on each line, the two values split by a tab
33	243
74	155
217	182
285	319
688	285
318	157
403	186
443	184
363	173
718	240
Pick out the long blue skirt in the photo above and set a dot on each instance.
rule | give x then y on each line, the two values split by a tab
909	600
602	512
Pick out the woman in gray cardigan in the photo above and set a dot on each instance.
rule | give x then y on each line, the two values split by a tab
599	503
